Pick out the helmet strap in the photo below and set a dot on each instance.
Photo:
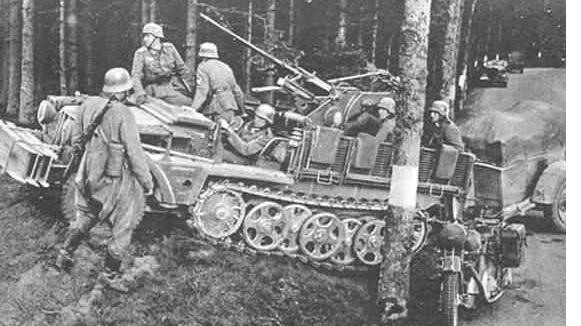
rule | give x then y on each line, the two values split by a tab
152	44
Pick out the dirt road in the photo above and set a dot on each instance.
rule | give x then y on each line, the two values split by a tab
537	84
537	296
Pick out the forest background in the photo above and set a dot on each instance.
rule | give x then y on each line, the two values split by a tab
63	46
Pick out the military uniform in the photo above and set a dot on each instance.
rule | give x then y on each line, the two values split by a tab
445	132
103	196
217	93
370	124
156	74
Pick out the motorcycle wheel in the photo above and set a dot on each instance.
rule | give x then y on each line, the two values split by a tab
450	289
67	200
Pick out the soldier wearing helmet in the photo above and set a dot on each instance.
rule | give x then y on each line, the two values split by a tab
440	129
159	70
376	119
113	176
253	136
217	93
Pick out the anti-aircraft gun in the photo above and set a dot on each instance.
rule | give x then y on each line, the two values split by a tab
322	98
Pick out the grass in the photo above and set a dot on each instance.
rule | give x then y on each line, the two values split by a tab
219	288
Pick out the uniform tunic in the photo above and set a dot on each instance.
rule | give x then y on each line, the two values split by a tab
155	74
217	93
445	132
119	201
370	124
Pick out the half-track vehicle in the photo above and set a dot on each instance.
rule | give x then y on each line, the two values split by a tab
325	204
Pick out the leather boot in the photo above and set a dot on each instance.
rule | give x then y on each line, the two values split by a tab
64	261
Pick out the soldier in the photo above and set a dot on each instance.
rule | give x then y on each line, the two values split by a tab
113	176
376	120
440	129
217	93
254	135
158	69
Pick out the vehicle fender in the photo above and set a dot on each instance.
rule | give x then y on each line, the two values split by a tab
163	191
546	187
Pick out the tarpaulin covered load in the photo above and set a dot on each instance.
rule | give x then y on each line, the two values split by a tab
525	129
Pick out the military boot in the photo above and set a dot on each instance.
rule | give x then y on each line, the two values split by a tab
114	281
111	277
64	260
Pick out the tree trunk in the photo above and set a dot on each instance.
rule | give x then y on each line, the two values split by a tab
394	274
14	59
450	53
291	22
88	48
270	20
192	36
72	46
26	114
247	51
374	32
341	39
153	11
62	49
464	61
144	12
4	53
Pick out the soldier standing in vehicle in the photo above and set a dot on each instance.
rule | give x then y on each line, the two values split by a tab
159	70
113	177
217	93
440	129
377	120
254	135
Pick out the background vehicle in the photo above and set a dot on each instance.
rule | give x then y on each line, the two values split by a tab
493	73
522	161
516	62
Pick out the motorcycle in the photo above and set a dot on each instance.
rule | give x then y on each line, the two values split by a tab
476	261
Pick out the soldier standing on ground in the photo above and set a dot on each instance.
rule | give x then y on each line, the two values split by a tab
377	120
159	70
440	129
217	93
113	177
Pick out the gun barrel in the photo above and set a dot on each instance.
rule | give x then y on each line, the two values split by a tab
250	45
297	71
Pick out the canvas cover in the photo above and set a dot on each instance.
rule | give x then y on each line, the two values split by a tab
523	130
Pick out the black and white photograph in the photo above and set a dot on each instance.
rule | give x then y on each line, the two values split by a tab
283	163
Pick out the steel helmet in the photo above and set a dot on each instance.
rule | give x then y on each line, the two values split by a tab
153	29
266	112
208	50
388	104
46	112
117	80
440	107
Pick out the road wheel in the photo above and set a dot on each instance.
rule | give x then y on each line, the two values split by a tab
450	288
557	212
67	200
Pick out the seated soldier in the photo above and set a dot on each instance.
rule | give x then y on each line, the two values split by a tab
377	120
158	69
253	136
440	129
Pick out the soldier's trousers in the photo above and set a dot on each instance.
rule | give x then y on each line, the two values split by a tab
122	225
167	93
